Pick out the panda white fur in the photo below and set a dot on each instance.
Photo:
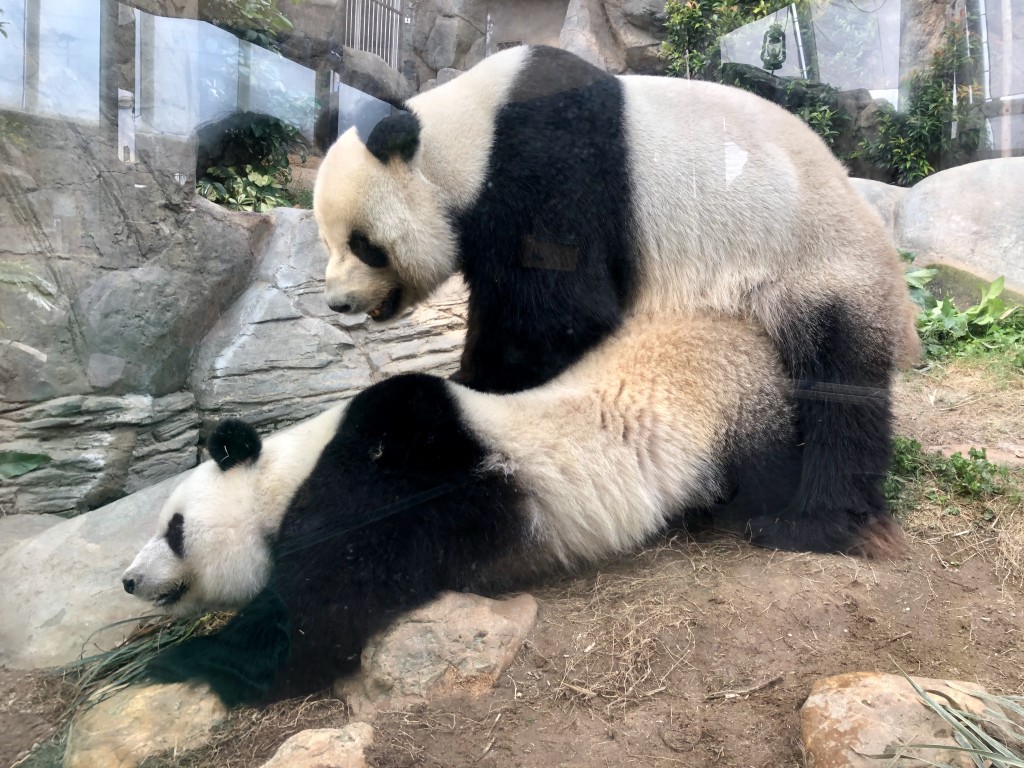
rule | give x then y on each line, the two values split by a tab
571	199
421	485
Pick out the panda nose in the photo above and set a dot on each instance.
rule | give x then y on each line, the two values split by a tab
129	585
339	307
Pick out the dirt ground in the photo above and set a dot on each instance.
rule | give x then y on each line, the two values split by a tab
700	653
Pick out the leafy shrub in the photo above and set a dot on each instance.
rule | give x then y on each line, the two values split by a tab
989	324
245	165
913	141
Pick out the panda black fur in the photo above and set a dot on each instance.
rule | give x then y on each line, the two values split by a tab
421	485
571	199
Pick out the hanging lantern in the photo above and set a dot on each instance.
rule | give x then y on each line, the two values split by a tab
773	49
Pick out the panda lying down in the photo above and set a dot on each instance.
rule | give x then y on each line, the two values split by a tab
327	530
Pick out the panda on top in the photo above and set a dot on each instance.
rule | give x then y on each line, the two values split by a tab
325	531
571	199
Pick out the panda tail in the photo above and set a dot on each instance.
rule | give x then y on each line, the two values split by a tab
239	662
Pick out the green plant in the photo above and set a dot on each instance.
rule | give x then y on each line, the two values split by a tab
15	463
823	121
940	122
249	169
3	24
970	478
694	30
257	21
692	48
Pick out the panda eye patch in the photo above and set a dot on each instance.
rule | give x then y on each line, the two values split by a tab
175	535
367	252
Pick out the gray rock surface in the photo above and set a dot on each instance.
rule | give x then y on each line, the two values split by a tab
62	587
132	724
971	217
588	33
276	355
886	199
371	74
14	529
325	748
448	34
459	642
280	354
101	447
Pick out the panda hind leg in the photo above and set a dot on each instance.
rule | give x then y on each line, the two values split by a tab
841	368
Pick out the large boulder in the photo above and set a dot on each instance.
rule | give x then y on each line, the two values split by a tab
130	725
852	720
325	748
62	587
458	643
971	217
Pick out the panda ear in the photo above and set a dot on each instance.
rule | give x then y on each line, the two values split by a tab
397	135
234	442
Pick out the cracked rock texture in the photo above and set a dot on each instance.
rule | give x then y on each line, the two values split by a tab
133	315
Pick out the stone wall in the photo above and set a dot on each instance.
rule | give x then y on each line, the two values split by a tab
134	314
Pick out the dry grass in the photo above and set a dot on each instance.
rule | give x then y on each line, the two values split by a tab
250	736
630	627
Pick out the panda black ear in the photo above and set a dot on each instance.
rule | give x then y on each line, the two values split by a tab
234	442
397	135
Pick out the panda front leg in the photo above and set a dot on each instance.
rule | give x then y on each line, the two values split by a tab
841	365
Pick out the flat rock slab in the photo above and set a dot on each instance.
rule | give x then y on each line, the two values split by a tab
123	730
62	587
458	643
325	748
848	718
15	529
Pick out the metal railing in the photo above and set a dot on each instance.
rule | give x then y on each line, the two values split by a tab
374	26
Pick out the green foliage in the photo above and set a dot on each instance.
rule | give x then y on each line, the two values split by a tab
989	325
913	141
15	463
970	478
695	28
823	120
3	24
257	21
253	170
692	48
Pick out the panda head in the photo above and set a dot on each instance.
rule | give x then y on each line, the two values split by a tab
211	550
385	225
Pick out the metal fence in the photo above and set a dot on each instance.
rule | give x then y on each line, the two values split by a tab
374	26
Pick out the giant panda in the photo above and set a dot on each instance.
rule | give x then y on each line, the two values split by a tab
571	199
326	530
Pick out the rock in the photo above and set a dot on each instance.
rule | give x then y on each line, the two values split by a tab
100	448
325	748
982	232
587	33
371	74
14	529
62	587
132	724
448	34
280	354
849	717
639	27
886	199
458	643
